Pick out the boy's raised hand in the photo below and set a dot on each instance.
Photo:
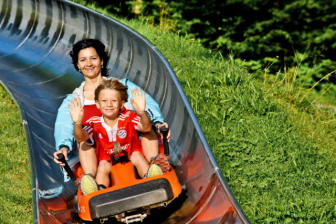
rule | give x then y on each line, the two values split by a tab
138	100
76	110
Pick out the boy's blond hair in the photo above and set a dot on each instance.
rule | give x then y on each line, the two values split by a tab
112	84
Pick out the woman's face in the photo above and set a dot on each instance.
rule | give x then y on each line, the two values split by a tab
89	63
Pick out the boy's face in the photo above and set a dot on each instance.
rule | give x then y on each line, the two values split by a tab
109	102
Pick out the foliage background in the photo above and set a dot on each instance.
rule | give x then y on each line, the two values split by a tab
273	36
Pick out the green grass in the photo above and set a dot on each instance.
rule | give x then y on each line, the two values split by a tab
274	146
15	179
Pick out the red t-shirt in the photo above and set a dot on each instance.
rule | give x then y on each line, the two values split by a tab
104	136
90	110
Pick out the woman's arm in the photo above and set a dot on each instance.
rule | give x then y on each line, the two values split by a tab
63	131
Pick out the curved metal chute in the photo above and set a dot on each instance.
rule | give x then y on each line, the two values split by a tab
35	38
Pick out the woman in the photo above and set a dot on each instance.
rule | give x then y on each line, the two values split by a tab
89	58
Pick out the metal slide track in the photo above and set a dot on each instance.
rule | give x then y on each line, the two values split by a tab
35	39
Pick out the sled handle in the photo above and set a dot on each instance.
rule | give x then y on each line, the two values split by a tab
164	131
61	158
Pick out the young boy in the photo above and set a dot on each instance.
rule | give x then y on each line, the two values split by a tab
117	126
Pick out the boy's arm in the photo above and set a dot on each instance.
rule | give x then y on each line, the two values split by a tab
77	114
145	124
138	102
79	133
152	107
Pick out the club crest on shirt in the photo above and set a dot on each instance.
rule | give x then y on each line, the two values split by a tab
122	133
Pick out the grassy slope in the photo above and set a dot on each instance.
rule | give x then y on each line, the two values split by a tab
274	147
15	178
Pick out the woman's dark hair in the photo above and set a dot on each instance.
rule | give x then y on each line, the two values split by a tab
96	44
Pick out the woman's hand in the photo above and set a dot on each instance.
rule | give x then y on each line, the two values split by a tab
159	125
138	100
76	110
63	150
